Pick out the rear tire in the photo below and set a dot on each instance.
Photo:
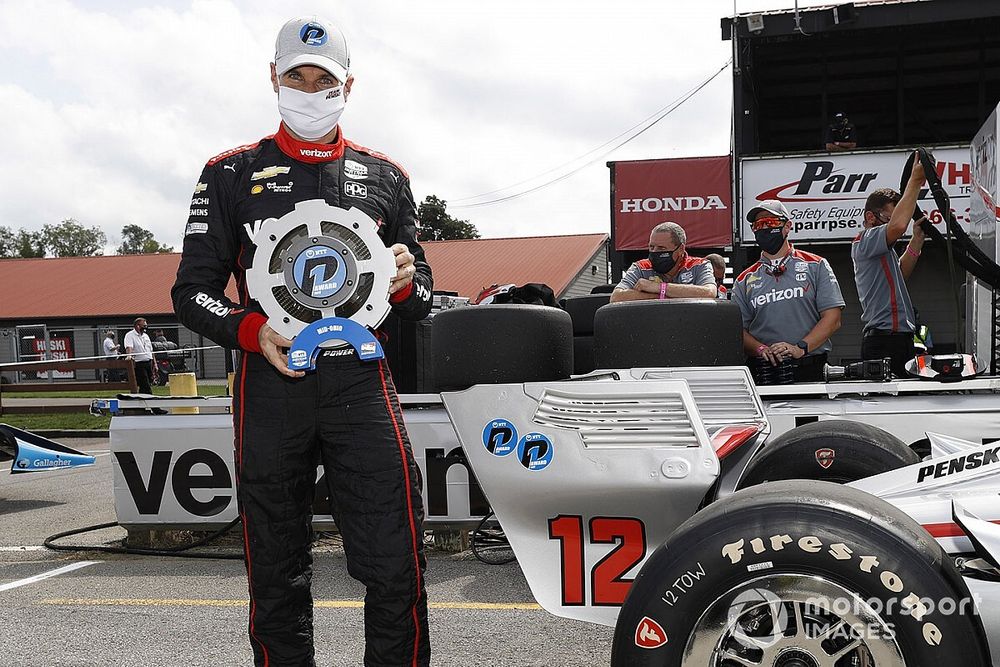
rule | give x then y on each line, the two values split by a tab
760	576
833	450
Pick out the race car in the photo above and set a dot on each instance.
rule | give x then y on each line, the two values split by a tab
652	500
29	452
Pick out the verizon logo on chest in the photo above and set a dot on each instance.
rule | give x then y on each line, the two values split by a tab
779	295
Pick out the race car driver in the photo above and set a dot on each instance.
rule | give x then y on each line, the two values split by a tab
790	300
886	309
668	272
345	414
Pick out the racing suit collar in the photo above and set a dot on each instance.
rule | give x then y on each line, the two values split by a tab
305	151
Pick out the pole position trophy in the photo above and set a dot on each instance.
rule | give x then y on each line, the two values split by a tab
322	275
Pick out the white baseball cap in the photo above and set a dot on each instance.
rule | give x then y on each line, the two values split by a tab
772	206
310	40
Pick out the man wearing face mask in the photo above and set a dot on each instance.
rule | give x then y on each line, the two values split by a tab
345	414
886	308
669	272
790	299
140	348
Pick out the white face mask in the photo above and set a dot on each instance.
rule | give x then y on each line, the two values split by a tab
311	115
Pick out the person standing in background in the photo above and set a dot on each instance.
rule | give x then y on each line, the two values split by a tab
140	349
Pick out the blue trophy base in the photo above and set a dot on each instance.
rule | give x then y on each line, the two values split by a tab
306	346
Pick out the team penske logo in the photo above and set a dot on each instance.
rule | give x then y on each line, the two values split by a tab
269	172
779	295
962	463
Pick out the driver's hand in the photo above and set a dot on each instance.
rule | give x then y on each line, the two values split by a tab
271	343
405	270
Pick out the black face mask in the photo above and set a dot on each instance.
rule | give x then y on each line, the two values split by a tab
662	262
770	240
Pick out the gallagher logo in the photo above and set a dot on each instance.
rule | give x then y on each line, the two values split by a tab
649	634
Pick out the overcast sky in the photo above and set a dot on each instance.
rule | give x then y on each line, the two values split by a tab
113	106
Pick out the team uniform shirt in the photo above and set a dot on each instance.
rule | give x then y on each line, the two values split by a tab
784	304
694	271
885	302
142	347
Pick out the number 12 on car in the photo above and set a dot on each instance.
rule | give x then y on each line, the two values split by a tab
608	584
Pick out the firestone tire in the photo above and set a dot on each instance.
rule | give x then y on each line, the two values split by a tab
670	333
755	573
833	450
500	343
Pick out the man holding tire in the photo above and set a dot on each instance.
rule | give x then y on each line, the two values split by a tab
669	272
790	300
886	309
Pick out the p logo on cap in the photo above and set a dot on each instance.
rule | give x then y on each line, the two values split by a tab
313	34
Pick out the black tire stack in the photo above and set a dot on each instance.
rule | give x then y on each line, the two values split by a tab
674	332
502	343
582	311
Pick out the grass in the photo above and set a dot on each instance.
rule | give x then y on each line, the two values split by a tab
203	390
62	421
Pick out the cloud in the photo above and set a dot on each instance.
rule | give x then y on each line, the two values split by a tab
116	105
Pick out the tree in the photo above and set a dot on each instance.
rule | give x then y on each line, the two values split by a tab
8	242
437	225
139	241
71	239
29	244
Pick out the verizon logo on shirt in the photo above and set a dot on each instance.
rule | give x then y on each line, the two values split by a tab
779	295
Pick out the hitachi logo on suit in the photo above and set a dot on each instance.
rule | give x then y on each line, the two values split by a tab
779	295
654	204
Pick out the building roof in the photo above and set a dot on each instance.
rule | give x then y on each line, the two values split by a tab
467	266
87	286
134	285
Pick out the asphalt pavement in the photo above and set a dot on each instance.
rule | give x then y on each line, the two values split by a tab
89	608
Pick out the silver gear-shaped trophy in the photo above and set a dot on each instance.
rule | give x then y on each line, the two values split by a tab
322	274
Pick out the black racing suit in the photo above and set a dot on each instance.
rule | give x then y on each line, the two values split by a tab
345	415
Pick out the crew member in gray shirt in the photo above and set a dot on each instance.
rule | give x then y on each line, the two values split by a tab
790	299
887	311
669	272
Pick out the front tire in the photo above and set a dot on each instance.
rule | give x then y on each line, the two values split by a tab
803	574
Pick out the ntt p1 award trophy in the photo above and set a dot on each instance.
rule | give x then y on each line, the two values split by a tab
322	275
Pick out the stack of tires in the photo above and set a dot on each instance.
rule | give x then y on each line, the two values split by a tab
582	311
670	333
502	343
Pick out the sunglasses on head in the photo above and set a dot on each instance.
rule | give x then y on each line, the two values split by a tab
767	223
